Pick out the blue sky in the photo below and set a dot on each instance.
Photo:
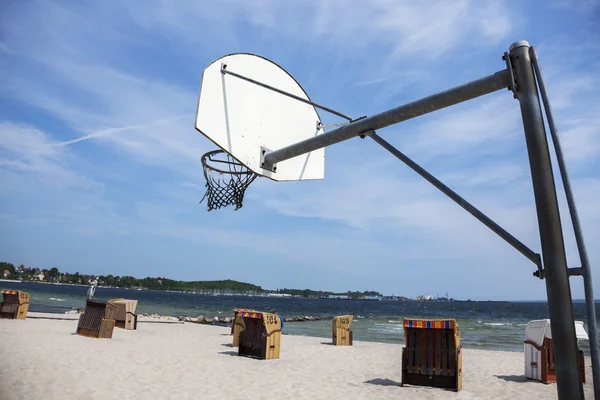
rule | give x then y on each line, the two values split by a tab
100	162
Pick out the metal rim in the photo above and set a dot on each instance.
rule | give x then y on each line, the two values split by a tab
233	164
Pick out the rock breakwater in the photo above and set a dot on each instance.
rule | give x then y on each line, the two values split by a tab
201	319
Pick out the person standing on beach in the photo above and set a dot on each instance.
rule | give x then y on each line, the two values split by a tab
92	289
280	318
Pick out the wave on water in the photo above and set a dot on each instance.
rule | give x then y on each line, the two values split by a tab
56	299
497	323
383	331
389	327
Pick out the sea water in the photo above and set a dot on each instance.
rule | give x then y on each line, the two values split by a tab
484	325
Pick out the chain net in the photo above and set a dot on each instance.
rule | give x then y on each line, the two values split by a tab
226	180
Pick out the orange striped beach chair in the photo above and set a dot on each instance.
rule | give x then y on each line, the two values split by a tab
15	304
261	335
432	353
238	324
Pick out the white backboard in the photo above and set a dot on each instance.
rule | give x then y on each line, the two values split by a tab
241	117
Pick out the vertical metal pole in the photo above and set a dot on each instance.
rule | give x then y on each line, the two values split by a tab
583	256
568	375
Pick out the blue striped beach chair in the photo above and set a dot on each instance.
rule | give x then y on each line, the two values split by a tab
432	353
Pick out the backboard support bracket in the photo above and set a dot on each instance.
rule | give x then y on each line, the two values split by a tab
512	84
263	152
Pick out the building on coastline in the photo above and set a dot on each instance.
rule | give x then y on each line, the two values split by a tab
396	298
338	296
279	295
376	298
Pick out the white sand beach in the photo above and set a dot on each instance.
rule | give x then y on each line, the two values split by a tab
44	359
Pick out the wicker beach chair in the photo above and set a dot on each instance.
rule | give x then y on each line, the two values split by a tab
125	317
238	324
261	336
539	351
341	334
98	319
15	304
432	354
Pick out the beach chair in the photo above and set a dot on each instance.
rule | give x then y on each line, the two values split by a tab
539	351
341	334
238	324
432	353
97	320
261	335
125	318
15	304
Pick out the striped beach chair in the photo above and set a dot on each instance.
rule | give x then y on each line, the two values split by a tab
238	324
432	353
15	304
261	335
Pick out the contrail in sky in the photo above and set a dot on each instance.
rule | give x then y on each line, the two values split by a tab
106	132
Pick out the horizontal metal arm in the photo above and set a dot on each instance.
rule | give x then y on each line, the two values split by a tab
468	91
513	241
224	70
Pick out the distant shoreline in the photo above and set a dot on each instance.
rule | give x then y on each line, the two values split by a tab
268	295
286	297
44	283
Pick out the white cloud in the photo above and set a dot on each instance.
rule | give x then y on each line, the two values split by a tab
149	121
428	30
25	142
112	131
567	90
479	127
580	139
582	6
488	175
27	150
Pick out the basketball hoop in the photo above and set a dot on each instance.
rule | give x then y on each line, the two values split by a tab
225	186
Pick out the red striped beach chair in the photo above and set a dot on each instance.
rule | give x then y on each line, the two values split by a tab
261	335
238	324
15	304
432	353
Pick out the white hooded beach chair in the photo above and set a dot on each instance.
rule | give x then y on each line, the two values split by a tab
539	351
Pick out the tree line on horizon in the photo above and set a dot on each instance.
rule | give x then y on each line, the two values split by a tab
53	275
